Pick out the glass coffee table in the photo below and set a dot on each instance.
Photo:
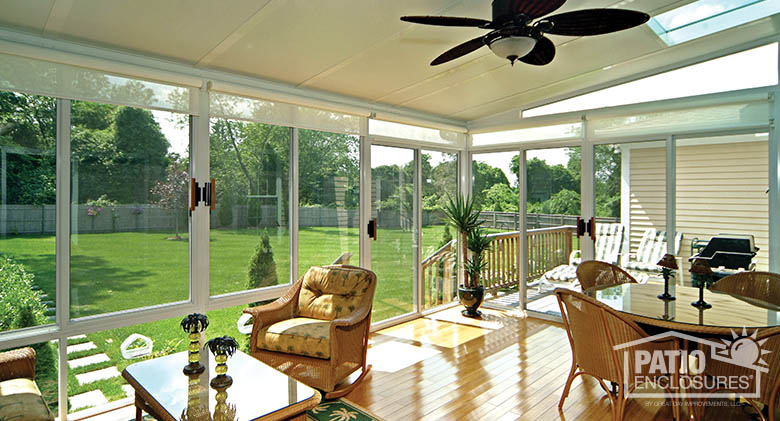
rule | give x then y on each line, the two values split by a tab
258	392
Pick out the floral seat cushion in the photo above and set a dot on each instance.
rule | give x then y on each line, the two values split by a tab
299	335
20	399
328	293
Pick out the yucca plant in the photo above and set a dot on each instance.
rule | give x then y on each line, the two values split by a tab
461	213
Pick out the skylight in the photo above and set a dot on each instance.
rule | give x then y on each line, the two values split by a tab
705	17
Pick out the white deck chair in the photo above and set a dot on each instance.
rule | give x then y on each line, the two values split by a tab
652	247
609	240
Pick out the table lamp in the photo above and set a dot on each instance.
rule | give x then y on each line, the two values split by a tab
668	264
701	272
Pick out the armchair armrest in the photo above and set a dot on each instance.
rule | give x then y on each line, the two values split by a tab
281	309
17	363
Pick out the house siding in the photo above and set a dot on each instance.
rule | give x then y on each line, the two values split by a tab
721	188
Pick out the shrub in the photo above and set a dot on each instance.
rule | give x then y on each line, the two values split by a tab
262	268
46	356
17	296
446	236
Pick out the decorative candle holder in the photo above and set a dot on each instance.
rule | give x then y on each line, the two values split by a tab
222	348
193	324
701	274
668	264
223	411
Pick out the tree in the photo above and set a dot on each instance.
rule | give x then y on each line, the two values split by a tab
171	193
501	198
607	165
262	268
141	155
485	176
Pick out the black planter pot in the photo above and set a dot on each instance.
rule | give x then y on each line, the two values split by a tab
471	298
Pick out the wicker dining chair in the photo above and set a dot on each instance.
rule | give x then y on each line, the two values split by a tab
593	273
318	331
768	383
764	286
594	330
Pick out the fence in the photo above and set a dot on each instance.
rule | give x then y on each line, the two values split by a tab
511	220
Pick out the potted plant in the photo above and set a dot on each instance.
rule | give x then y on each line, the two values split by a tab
472	293
461	213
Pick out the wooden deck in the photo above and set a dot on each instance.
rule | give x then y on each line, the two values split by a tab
504	367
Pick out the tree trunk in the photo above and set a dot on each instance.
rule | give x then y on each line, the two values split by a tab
465	253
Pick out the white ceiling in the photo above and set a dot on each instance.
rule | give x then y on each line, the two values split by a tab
360	49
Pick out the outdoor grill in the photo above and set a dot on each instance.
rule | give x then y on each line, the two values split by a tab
726	253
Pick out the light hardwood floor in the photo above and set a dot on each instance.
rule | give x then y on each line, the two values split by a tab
505	367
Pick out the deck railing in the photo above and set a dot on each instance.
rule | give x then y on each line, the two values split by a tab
547	248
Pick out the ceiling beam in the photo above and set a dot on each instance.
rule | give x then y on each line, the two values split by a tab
57	16
265	9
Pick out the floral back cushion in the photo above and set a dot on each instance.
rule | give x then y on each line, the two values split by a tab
332	292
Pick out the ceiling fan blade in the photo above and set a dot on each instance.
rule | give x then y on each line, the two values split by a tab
543	53
594	21
459	50
445	21
508	9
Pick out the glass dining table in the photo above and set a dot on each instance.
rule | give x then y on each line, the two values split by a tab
728	313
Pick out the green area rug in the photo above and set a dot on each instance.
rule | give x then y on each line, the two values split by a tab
340	410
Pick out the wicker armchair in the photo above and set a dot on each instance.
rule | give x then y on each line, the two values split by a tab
593	272
764	286
768	382
19	395
318	331
594	330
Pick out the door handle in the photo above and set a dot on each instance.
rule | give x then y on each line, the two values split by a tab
372	229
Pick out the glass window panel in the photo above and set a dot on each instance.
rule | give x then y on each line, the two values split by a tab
495	190
630	186
250	231
553	204
747	69
393	252
96	361
129	201
328	199
439	239
722	188
27	215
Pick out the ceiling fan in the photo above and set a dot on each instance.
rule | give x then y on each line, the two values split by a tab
515	36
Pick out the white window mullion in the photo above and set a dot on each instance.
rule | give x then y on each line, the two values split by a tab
294	177
199	218
671	195
365	200
587	190
62	240
774	183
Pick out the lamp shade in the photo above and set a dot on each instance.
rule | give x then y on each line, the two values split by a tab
668	261
700	267
513	47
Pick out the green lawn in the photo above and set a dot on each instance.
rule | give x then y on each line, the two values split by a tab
119	271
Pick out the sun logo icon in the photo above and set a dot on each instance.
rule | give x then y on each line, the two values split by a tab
745	350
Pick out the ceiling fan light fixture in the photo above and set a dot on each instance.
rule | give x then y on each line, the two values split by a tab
512	47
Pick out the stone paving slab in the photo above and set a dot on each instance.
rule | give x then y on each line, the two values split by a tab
86	346
78	337
93	376
129	391
93	398
92	359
